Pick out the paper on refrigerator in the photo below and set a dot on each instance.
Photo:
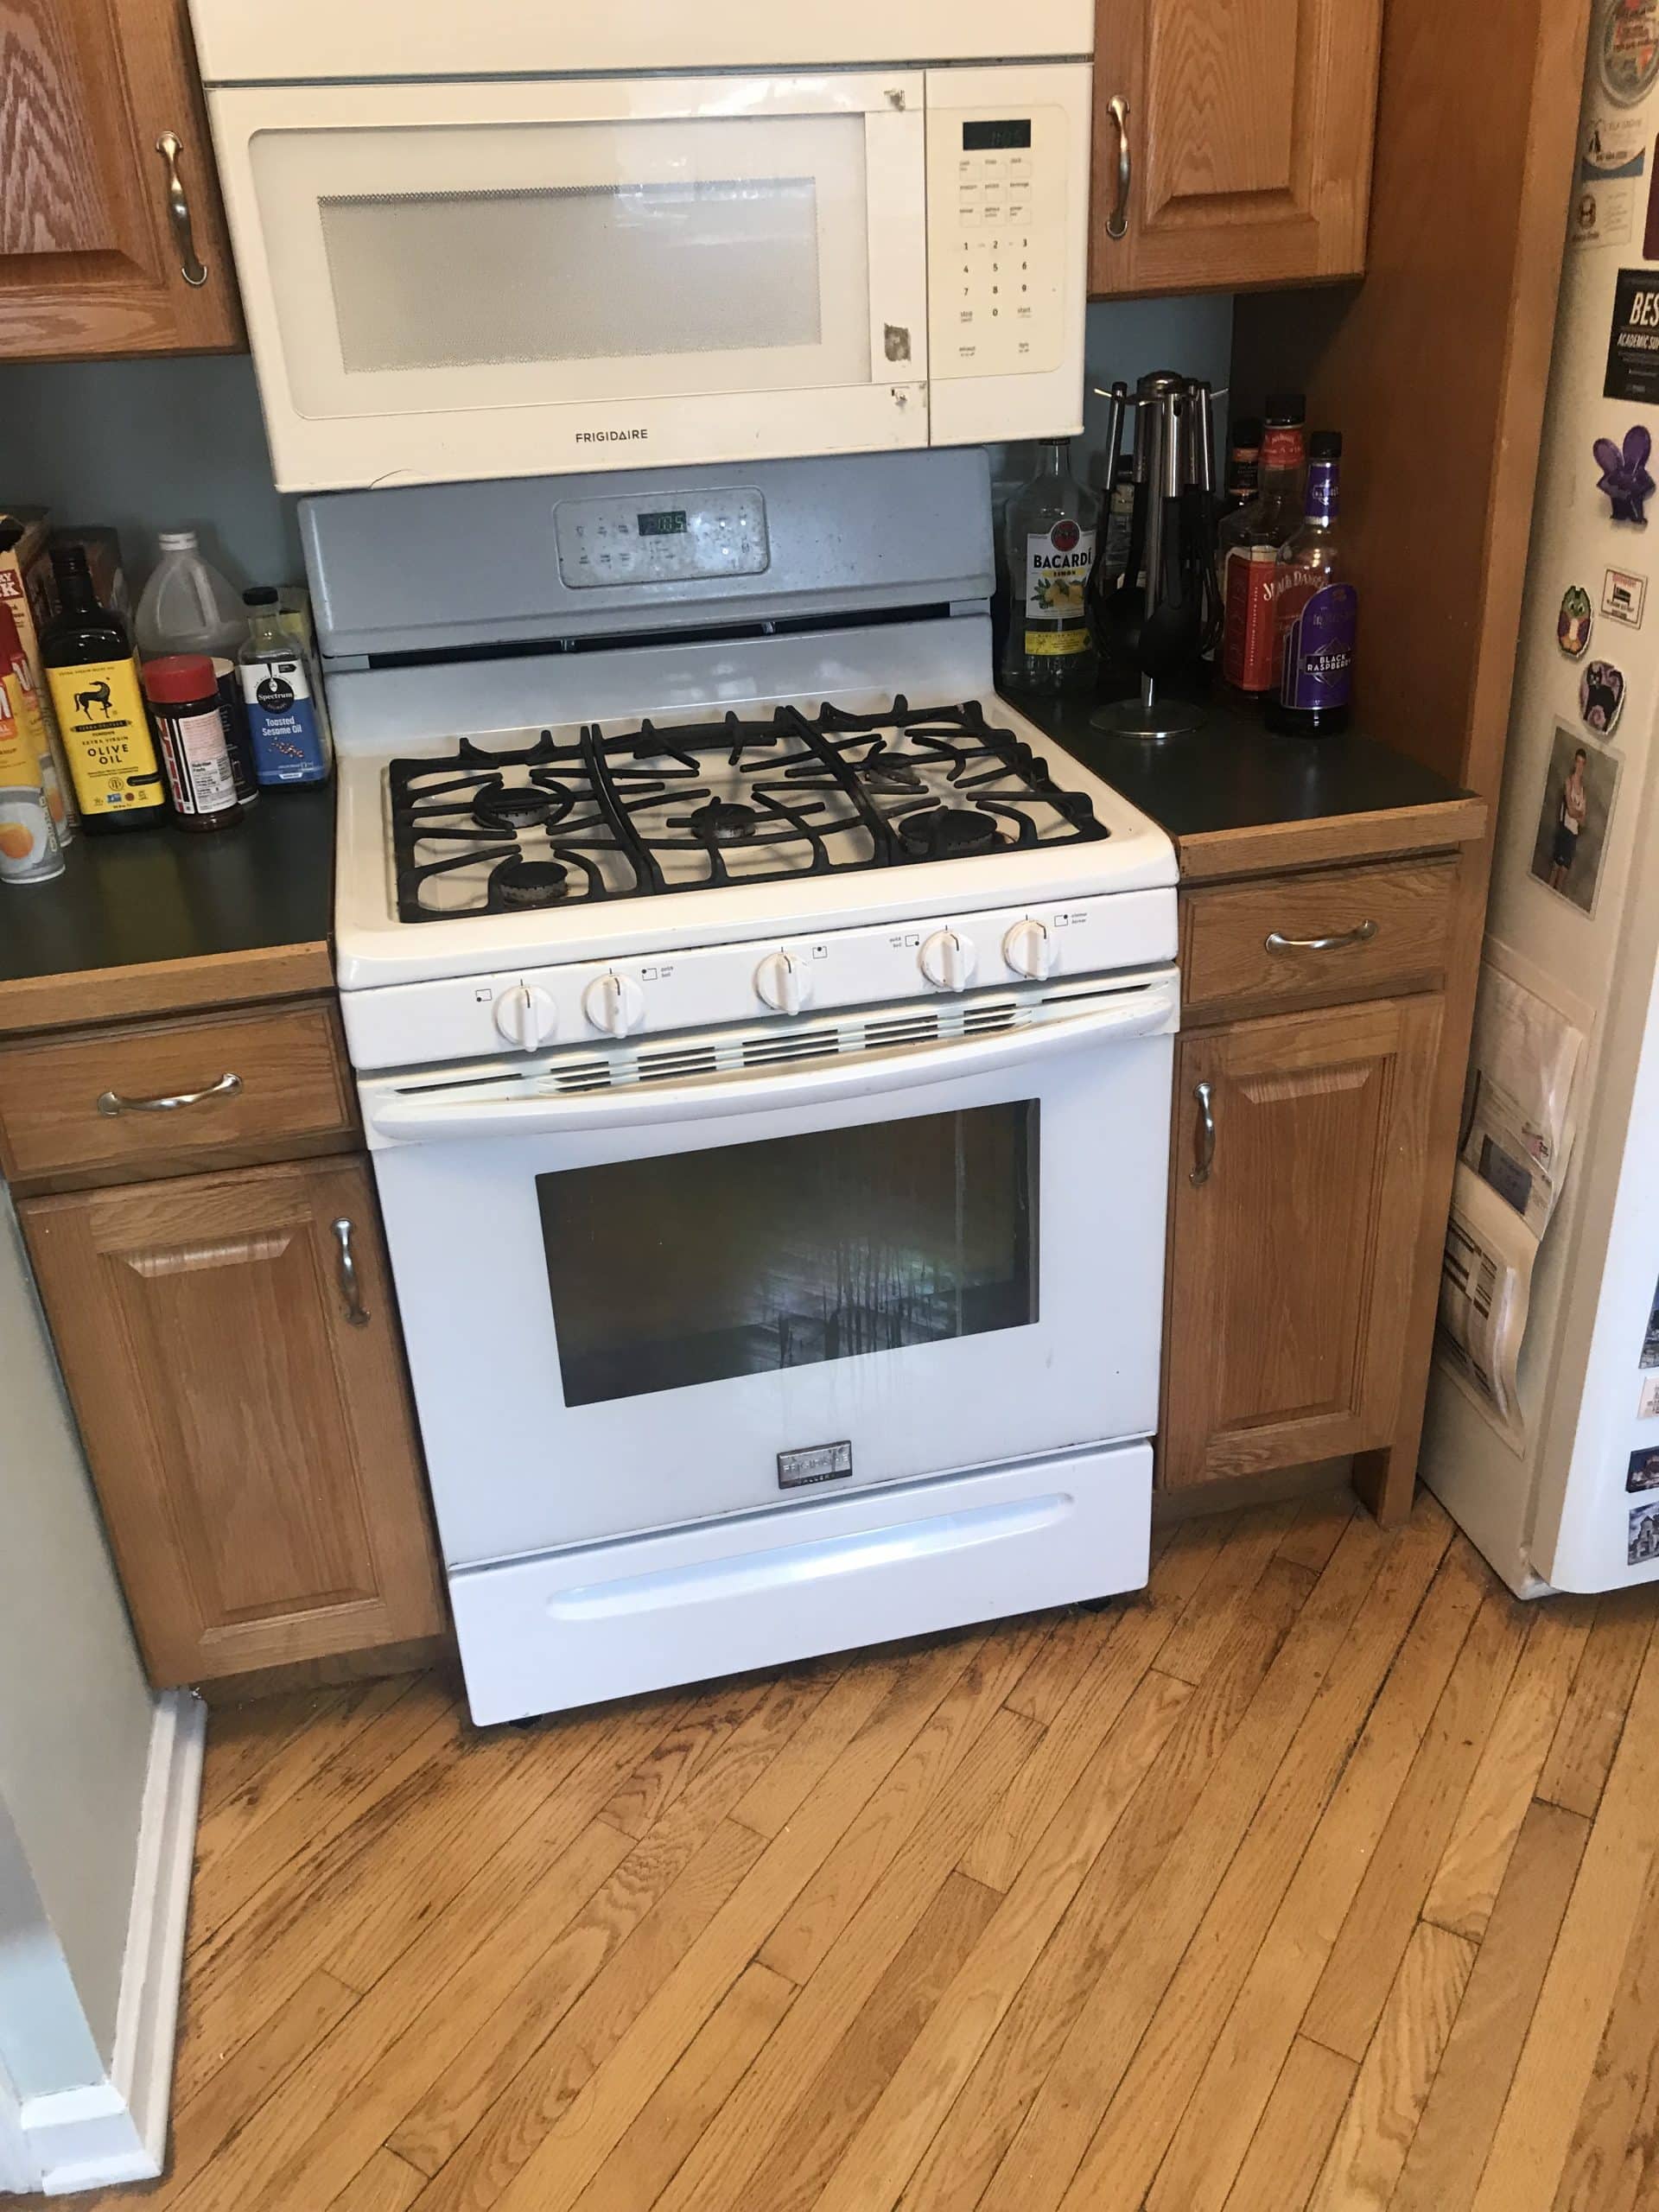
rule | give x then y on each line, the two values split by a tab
1512	1162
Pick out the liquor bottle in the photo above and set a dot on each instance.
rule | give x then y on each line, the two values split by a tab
1049	543
93	680
1247	546
1315	609
1243	464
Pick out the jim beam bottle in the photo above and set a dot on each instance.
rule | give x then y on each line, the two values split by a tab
1249	544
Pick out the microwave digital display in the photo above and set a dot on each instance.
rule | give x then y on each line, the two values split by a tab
988	137
668	522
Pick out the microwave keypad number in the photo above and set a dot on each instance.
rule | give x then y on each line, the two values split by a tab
671	538
999	312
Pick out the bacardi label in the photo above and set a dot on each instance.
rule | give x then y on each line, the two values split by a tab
1057	563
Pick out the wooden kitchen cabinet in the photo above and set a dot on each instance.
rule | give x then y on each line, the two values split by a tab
1293	1226
97	255
245	1412
1245	136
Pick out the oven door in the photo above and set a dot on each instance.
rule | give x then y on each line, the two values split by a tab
644	1286
471	279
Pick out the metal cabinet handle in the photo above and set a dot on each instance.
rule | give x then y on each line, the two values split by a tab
192	268
1118	222
356	1313
1206	1098
112	1102
1362	935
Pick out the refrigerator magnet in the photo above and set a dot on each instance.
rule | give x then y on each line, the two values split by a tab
1603	212
1643	1472
1624	475
1572	623
1650	1335
1643	1543
1574	810
1626	44
1633	339
1624	597
1601	697
1647	1403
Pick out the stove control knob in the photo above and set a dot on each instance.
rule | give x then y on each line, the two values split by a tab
525	1015
948	960
783	982
1030	950
614	1003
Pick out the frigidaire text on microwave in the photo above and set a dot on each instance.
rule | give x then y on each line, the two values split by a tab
548	241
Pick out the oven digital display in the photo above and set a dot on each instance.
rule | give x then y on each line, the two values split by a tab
689	1268
992	137
667	522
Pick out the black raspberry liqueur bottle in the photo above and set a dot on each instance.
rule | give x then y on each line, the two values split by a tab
1316	609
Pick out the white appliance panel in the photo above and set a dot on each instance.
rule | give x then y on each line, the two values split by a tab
568	1628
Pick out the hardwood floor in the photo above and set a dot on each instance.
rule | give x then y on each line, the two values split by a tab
1321	1875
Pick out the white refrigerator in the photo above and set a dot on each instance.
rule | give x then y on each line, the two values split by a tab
1553	1466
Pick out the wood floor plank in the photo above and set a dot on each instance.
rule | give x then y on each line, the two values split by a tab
244	1740
1529	2150
1288	2148
1443	2166
1240	2073
652	2150
1348	2002
1392	2085
1179	1565
1471	1871
673	1760
385	2184
1618	2121
1316	1530
975	2134
779	1791
568	2157
1579	1758
1049	2161
1248	1548
1141	2119
832	2105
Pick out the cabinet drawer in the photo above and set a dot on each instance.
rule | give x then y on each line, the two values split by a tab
1317	939
115	1105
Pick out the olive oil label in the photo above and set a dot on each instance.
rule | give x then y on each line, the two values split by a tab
1057	563
107	735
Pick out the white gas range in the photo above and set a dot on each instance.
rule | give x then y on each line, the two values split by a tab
764	1048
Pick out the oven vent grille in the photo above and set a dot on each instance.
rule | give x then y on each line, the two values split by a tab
736	1052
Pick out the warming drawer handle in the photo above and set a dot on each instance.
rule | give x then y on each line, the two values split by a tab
1362	935
1118	222
392	1114
1204	1094
356	1312
191	267
112	1102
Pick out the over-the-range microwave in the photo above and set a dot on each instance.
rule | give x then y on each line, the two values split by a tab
513	239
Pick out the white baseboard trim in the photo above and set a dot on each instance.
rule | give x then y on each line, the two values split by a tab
116	2131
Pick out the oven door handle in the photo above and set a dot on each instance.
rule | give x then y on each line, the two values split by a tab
1148	1013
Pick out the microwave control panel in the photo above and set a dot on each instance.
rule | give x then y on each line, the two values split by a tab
997	263
669	538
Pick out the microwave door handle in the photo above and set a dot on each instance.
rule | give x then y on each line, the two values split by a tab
1147	1014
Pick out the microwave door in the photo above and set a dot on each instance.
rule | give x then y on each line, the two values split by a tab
465	280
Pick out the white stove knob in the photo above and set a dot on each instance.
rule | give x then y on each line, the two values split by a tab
525	1015
948	960
783	982
1030	950
614	1003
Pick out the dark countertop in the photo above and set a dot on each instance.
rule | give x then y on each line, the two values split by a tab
1236	774
255	903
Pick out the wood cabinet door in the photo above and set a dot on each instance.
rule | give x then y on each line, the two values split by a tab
93	258
1293	1234
252	1444
1247	134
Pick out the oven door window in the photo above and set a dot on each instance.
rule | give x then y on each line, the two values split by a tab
702	1267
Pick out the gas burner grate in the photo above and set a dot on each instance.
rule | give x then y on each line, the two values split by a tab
734	800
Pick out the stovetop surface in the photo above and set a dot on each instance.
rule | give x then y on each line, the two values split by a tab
633	810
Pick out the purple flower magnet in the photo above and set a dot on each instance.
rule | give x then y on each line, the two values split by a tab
1624	475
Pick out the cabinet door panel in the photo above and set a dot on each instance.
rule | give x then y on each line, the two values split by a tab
253	1449
1250	125
1290	1259
89	262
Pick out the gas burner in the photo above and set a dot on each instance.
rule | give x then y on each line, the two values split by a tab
518	806
521	884
948	833
721	822
892	773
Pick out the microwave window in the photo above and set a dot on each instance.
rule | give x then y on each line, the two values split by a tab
464	279
701	1266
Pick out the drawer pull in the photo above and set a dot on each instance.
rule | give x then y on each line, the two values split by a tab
356	1313
192	268
112	1102
1204	1094
1362	935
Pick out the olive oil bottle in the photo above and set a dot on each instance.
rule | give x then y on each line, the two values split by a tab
93	678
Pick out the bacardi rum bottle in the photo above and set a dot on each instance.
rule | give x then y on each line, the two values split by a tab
1048	550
